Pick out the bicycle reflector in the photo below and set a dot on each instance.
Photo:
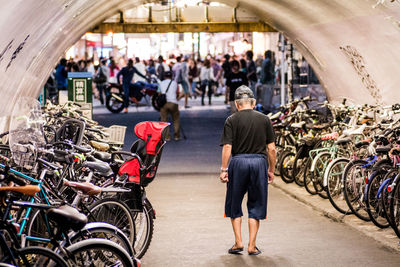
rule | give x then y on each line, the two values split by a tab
389	188
366	180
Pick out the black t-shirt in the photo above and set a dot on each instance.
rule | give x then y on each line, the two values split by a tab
235	80
248	132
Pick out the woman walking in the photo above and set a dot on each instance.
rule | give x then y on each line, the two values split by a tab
206	76
193	76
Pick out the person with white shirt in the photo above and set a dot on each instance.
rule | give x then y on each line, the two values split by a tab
170	87
141	68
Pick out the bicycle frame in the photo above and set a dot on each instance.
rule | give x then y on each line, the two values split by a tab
44	198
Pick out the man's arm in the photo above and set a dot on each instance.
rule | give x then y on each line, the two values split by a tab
226	154
271	151
119	75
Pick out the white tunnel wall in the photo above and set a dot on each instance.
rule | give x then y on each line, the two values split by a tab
35	33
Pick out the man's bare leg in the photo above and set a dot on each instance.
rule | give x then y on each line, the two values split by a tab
253	229
237	230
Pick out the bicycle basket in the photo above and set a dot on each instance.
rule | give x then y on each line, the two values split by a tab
26	132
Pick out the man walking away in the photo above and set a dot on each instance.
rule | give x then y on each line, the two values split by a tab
249	137
127	75
169	87
267	79
235	79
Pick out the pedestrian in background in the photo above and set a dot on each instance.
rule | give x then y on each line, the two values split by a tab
169	87
235	79
61	75
101	79
141	68
182	78
227	69
249	137
206	77
160	70
251	72
193	76
267	79
113	70
151	68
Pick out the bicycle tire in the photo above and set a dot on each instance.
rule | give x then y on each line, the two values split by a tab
333	181
308	183
114	212
395	209
144	223
107	252
298	168
286	166
321	161
55	259
104	231
386	195
352	198
374	204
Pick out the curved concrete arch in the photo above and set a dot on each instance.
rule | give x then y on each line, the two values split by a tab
36	32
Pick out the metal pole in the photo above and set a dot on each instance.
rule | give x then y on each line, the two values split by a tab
290	74
282	70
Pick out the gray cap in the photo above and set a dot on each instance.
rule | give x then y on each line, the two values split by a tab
243	92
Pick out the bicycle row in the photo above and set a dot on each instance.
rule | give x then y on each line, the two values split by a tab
345	153
70	196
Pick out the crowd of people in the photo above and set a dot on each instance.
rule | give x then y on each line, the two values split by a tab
213	76
192	78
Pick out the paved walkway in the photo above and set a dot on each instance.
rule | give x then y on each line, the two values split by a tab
190	229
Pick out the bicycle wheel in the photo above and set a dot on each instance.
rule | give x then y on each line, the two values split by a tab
144	222
114	212
395	209
320	163
286	166
354	185
298	169
279	151
373	201
308	183
104	231
98	252
333	180
38	256
387	195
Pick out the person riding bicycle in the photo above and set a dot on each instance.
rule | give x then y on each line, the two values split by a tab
127	75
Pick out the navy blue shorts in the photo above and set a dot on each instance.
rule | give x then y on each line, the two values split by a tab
248	173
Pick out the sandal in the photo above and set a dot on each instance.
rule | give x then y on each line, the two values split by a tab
255	253
235	250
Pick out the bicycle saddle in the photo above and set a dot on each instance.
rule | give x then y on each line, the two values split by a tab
85	188
343	141
383	149
67	218
29	190
103	156
99	145
101	167
362	143
298	124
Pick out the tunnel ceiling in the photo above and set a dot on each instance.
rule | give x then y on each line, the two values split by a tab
352	45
